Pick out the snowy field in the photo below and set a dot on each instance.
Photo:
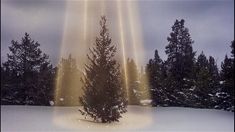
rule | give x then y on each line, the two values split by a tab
160	119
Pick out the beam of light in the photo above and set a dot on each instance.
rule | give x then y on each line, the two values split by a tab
57	90
137	44
80	29
85	20
120	18
72	43
59	72
133	31
102	7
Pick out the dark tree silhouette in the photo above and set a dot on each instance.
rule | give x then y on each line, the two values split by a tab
104	99
28	68
214	85
156	77
202	82
227	80
232	52
180	62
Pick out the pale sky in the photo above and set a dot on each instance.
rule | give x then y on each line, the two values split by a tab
210	23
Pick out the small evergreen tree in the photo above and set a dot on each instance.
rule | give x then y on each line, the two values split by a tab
104	99
67	82
133	82
143	85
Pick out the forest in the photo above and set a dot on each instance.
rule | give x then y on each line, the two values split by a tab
187	78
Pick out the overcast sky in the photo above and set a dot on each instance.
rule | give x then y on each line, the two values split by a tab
210	23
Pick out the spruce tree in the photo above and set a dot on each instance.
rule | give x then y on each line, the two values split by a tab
104	99
24	65
180	63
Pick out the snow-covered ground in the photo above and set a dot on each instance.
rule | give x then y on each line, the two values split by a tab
160	119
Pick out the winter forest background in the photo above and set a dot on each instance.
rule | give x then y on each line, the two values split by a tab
187	78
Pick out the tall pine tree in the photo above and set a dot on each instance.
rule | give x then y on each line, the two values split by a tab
180	63
104	99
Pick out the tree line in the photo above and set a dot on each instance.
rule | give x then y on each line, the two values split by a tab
28	77
186	80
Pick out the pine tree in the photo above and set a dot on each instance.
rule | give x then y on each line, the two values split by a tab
104	99
232	88
133	83
227	79
225	95
68	82
5	91
24	64
156	78
233	63
166	92
180	63
143	85
206	82
214	85
46	83
202	79
9	83
232	52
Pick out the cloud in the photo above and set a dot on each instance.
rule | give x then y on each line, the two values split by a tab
42	20
210	23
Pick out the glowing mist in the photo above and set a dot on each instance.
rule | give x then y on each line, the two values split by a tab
81	26
120	20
